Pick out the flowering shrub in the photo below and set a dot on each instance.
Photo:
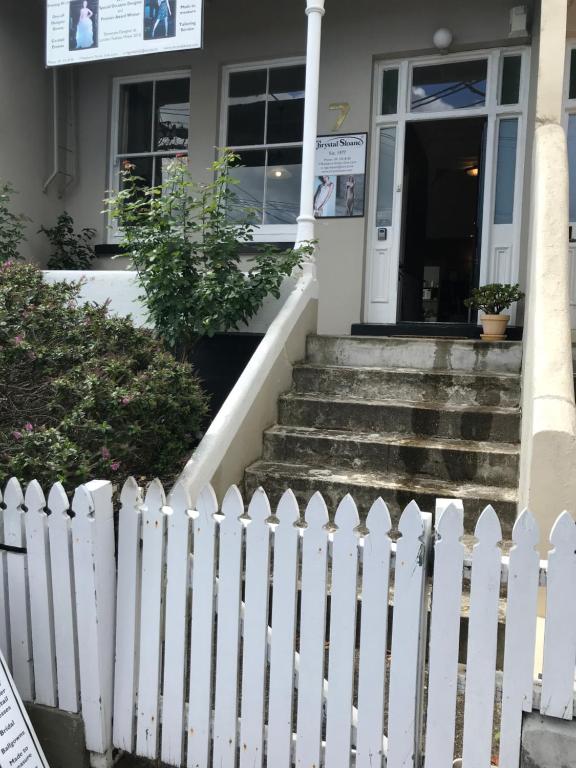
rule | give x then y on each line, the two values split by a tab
85	395
12	225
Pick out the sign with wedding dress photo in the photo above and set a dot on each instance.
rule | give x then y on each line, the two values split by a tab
90	30
340	180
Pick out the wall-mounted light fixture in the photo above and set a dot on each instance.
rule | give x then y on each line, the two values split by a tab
442	39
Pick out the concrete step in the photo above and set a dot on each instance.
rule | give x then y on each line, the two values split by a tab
447	460
430	419
365	487
416	353
406	384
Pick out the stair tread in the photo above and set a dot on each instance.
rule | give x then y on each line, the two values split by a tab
429	405
381	438
413	371
432	339
388	481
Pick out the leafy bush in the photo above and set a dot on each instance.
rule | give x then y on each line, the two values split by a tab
70	249
83	394
494	298
187	251
11	226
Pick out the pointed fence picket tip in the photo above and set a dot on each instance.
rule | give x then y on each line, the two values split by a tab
58	500
155	497
207	498
82	505
526	529
288	511
488	529
34	499
259	508
347	517
411	522
563	533
378	520
450	524
131	493
179	498
316	514
232	507
13	496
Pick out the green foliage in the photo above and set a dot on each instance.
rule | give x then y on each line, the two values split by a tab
70	249
12	226
494	298
83	394
187	247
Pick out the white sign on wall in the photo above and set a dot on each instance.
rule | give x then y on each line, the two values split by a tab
89	30
19	747
340	175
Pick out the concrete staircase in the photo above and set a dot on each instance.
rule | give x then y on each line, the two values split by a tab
400	418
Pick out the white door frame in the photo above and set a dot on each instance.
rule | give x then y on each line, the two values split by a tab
570	109
500	244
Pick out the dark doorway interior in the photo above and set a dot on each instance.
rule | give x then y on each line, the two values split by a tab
439	253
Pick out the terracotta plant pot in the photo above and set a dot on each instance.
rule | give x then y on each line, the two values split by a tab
494	327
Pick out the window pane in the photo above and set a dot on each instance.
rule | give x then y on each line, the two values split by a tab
443	87
389	92
283	175
135	118
572	164
510	88
164	167
506	171
386	177
246	108
172	114
286	104
572	88
249	191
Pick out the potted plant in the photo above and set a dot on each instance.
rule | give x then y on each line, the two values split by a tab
492	300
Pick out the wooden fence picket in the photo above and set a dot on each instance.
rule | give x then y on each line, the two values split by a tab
127	615
342	635
373	637
228	634
4	601
65	628
519	644
177	582
19	603
406	669
482	642
151	618
255	632
284	604
202	630
560	632
312	632
40	591
444	639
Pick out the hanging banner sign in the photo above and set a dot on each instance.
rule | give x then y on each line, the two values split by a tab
339	186
19	747
90	30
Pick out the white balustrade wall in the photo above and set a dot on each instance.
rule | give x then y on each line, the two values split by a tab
250	636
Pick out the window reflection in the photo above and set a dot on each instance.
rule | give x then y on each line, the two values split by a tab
444	87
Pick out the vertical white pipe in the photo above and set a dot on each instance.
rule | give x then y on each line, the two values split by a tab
306	222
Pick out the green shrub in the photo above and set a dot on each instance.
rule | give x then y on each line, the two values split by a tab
70	249
187	249
12	226
85	395
494	298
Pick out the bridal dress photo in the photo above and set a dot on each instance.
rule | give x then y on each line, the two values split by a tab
85	29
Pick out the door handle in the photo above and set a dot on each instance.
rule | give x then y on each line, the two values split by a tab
382	233
570	232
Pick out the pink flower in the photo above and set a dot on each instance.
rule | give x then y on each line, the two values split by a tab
126	400
7	264
18	339
17	435
105	453
115	466
29	427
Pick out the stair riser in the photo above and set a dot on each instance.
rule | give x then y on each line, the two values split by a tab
413	386
439	354
444	464
364	496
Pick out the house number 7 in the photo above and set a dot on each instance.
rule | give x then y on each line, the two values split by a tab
344	109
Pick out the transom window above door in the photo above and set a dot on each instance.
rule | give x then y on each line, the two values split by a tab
442	87
263	124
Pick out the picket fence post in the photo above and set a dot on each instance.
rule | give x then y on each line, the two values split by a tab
95	591
5	646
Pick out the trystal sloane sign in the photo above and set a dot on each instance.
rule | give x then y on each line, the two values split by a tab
19	747
340	175
88	30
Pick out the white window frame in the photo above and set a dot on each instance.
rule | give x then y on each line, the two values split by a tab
116	157
570	109
262	232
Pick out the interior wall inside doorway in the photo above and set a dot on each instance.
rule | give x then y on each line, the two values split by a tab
439	252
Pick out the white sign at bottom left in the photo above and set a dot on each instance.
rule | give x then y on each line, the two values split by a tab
19	747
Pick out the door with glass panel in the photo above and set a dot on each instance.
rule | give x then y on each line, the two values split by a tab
447	166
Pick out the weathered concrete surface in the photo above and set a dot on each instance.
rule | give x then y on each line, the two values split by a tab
548	742
61	736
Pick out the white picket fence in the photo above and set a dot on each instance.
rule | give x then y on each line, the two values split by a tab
246	639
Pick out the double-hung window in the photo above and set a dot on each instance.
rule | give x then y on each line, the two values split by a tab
263	123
